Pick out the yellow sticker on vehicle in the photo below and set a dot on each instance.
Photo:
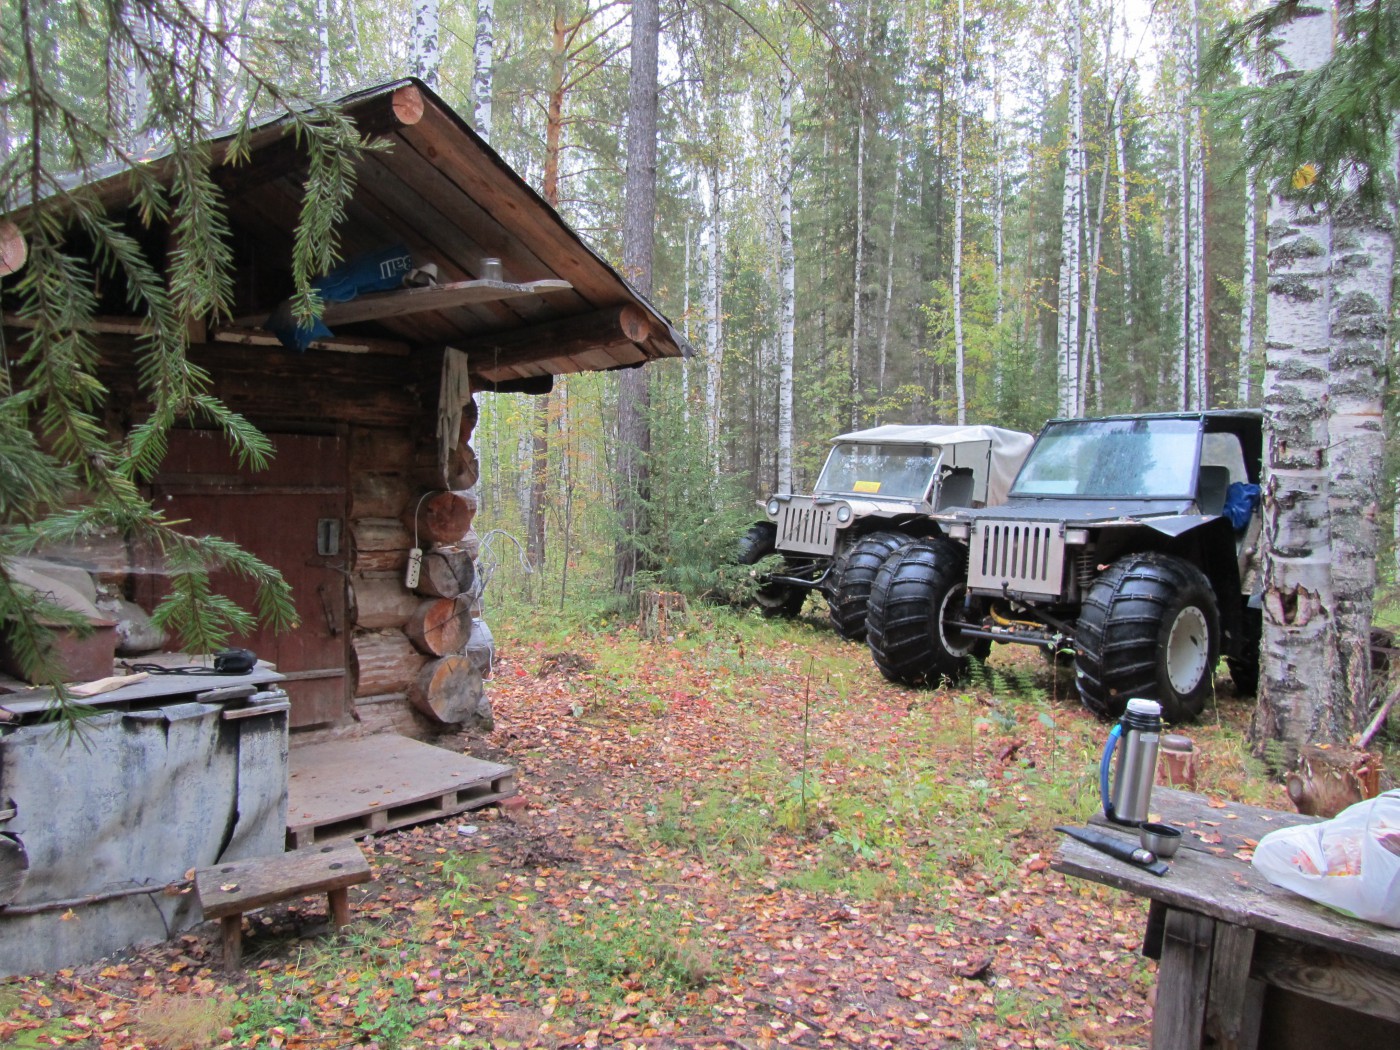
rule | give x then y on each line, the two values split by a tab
867	486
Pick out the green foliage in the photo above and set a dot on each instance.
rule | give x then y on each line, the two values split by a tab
65	478
1339	117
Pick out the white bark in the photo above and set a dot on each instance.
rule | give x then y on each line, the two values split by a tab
1199	350
959	349
137	89
1071	397
859	267
685	324
323	47
998	195
787	322
1251	226
483	66
1299	669
714	352
1124	241
424	54
888	306
1183	254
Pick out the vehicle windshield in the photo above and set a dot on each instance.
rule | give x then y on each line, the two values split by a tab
1112	458
887	471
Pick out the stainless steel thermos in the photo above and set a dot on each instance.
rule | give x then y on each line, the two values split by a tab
1136	738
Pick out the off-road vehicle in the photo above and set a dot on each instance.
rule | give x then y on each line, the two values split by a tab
876	494
1128	541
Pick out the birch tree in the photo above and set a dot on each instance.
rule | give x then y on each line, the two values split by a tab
483	66
1071	395
424	53
787	321
960	92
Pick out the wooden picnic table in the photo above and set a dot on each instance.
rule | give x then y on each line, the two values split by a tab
1244	963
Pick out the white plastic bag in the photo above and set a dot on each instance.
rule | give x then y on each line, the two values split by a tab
1350	863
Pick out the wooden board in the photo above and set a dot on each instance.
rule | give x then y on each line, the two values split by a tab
242	885
1234	892
352	788
1219	827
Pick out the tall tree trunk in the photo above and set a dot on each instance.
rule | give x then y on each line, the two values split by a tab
998	196
888	306
424	54
1251	227
1200	357
959	349
714	335
1092	351
1071	398
1301	683
1181	179
638	235
859	275
136	93
787	321
483	66
685	325
1125	259
323	47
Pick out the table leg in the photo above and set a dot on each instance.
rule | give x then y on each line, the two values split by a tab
1183	982
232	929
339	906
1236	1000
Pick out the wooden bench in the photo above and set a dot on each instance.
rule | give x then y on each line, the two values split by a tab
226	891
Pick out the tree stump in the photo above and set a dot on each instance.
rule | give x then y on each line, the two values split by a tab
446	572
659	610
440	626
448	690
1329	779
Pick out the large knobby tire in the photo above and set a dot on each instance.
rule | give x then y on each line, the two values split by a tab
849	598
772	599
913	591
1244	669
1149	627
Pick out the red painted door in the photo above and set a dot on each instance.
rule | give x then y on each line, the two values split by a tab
292	516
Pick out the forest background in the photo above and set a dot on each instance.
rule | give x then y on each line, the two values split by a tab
931	144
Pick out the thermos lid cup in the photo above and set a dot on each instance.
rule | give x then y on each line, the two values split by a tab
1145	707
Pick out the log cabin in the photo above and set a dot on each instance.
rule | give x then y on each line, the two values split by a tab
372	424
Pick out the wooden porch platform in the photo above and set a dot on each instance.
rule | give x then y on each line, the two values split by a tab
347	789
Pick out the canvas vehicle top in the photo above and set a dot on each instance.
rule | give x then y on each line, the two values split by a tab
875	494
896	472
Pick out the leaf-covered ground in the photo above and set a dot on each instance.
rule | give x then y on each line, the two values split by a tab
738	836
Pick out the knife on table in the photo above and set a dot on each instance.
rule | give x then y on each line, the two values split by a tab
1115	847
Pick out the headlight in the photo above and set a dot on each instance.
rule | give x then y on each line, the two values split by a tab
1076	537
961	531
773	508
843	513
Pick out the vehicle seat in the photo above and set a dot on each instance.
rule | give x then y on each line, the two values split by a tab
956	490
1210	489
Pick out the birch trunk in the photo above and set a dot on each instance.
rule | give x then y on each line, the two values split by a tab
638	243
424	55
714	335
1183	256
1124	242
1300	677
1200	354
1070	392
959	349
1092	352
859	266
483	66
788	305
685	325
1251	227
888	307
323	47
998	198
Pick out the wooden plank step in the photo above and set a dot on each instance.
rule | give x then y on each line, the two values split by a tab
226	891
347	789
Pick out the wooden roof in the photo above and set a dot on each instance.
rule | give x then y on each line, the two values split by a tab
438	189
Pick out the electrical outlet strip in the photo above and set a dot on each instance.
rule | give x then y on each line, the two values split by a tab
415	568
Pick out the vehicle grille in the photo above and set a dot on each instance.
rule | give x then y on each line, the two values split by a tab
805	528
1018	557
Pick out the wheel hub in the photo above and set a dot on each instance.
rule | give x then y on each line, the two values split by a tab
1188	647
953	638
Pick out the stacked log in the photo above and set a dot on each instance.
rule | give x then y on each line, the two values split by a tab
411	641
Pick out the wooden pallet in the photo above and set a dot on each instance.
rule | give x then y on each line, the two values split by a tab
347	789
